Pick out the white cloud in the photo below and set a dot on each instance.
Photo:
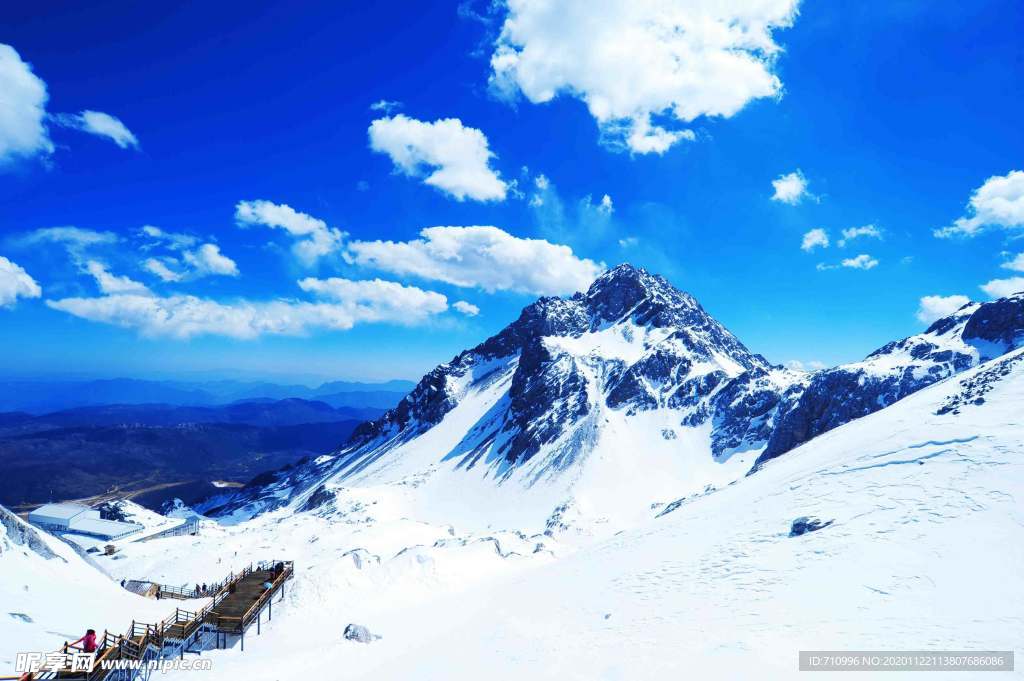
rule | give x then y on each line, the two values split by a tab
23	98
636	61
481	256
851	233
812	365
73	238
314	239
99	124
999	202
15	283
385	105
628	242
194	263
343	304
468	309
1000	288
207	259
160	268
112	283
606	206
790	188
378	300
931	308
1017	264
455	158
860	262
173	240
23	116
815	238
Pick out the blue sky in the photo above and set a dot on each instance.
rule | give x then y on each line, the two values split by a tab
887	116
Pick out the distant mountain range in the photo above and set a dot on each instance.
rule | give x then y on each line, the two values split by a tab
171	450
43	396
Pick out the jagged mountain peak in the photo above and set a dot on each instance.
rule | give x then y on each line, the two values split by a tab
626	290
573	376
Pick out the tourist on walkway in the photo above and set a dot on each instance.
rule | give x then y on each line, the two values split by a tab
88	642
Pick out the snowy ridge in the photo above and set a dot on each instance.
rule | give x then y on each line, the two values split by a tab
976	333
576	397
911	503
586	410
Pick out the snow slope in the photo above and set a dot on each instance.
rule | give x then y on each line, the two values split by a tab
561	418
586	411
49	594
924	551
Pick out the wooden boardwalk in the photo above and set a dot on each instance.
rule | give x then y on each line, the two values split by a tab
235	606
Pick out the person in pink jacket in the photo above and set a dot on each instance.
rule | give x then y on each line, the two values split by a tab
88	642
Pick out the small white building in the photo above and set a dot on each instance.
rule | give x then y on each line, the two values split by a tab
79	519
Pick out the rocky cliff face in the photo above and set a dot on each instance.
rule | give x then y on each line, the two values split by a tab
975	333
631	342
633	351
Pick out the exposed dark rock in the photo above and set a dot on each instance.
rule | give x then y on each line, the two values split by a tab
805	524
319	498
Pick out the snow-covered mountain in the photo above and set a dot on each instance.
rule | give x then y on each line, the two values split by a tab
571	499
898	531
616	399
975	333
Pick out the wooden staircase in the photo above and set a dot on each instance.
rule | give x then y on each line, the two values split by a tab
240	601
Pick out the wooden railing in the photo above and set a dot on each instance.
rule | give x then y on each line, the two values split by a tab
180	626
240	623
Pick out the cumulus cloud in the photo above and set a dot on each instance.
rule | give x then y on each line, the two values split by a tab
453	158
314	239
112	283
23	98
867	231
815	238
341	305
931	308
1017	264
860	262
1000	288
644	68
188	261
161	267
23	115
468	309
790	188
100	124
15	283
998	203
481	256
606	206
379	300
207	259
